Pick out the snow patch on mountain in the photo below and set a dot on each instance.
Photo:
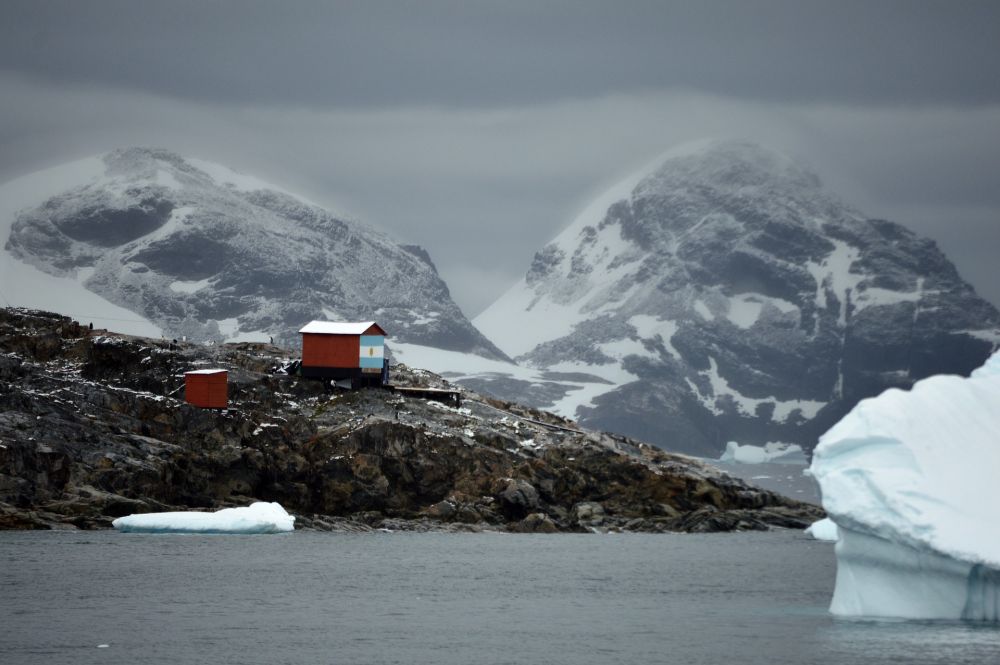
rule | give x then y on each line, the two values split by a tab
180	286
567	386
656	331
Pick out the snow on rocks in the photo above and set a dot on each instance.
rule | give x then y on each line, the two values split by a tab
907	476
259	517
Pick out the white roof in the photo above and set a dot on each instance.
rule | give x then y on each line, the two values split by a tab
206	371
338	327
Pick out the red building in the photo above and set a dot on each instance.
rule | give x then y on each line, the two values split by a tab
207	388
345	351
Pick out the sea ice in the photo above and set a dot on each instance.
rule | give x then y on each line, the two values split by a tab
909	479
259	517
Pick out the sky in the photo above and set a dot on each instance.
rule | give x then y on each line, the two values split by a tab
479	129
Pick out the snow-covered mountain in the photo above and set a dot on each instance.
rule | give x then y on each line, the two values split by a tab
145	241
725	295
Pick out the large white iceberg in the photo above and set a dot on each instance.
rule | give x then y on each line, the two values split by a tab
260	517
910	479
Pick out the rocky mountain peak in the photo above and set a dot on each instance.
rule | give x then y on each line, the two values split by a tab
198	250
724	189
141	162
725	295
729	164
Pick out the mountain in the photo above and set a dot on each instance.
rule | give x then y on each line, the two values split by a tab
94	426
725	295
146	241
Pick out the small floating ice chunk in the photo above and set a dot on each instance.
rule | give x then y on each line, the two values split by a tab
260	517
772	451
910	479
743	454
825	530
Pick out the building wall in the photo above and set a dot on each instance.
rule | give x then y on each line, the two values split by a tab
372	351
209	391
330	350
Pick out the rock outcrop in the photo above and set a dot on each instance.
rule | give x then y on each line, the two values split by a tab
93	427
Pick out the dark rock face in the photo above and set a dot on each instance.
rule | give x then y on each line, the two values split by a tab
179	244
518	498
92	427
734	299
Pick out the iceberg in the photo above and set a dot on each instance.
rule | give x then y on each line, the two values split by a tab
908	477
259	517
771	452
825	530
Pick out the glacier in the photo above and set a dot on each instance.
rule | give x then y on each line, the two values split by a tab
908	478
259	517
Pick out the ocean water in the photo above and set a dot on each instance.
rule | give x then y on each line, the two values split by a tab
310	597
783	478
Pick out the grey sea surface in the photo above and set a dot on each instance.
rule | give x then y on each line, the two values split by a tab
786	478
310	597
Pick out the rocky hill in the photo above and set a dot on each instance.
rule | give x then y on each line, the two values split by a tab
197	250
93	426
723	294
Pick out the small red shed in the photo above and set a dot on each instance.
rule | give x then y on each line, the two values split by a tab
207	388
352	351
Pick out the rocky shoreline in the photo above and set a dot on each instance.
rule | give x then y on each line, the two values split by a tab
93	426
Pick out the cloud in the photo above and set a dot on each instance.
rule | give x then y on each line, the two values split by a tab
483	189
326	54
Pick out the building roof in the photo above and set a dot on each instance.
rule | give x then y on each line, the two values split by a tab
206	371
340	327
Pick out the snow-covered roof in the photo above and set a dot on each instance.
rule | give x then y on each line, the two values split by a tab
206	371
339	327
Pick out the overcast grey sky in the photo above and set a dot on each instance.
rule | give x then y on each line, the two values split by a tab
478	130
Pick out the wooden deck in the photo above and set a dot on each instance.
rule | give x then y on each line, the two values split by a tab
453	397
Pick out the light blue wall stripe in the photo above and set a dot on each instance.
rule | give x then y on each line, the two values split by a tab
371	362
372	340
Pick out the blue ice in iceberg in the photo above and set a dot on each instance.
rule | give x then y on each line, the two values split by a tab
259	517
909	478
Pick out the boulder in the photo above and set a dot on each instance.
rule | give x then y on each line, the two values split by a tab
536	523
588	513
442	510
517	498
